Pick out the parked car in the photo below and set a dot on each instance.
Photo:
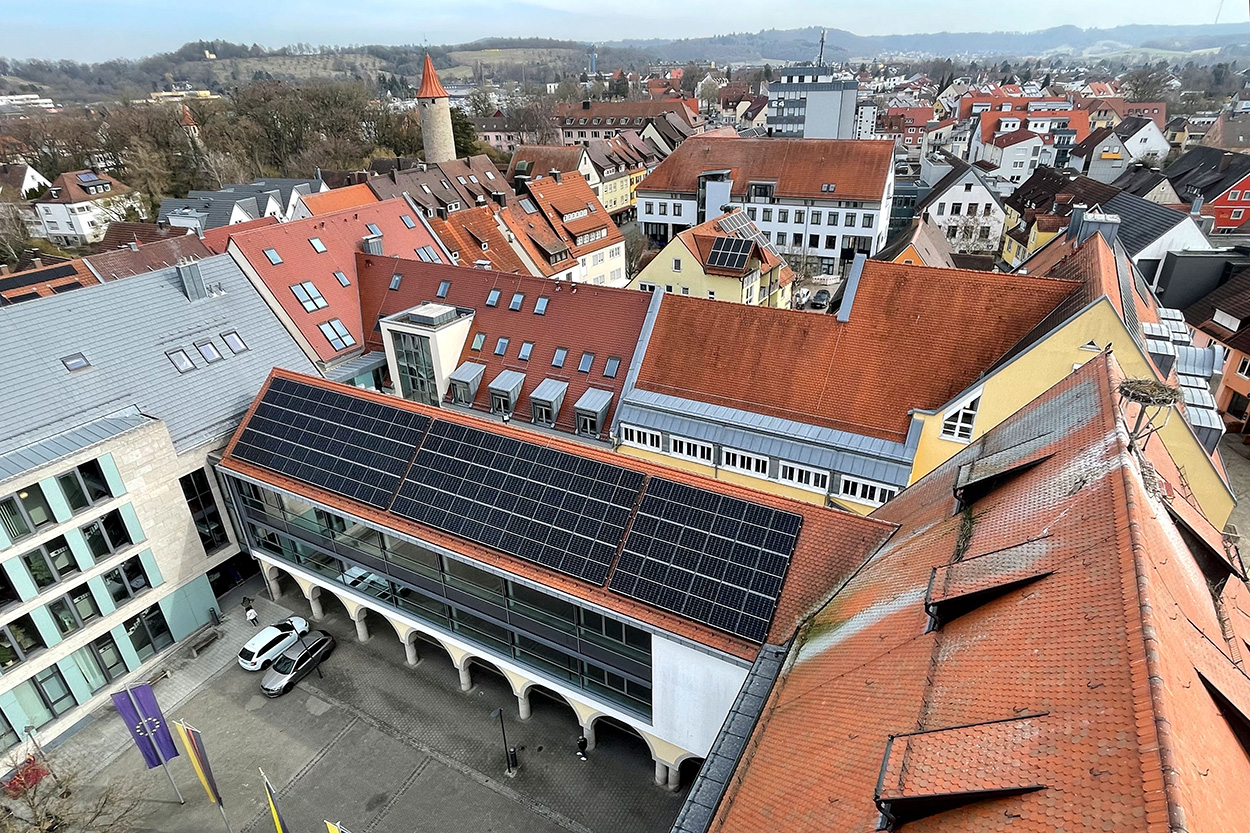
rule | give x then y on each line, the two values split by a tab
801	296
267	645
295	662
821	299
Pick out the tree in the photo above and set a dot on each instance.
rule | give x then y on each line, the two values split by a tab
635	246
13	239
619	88
480	103
464	133
709	93
1148	83
691	74
70	803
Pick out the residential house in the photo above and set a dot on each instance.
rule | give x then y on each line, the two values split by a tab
79	205
922	243
1106	153
477	237
445	187
1149	183
114	534
1149	231
128	261
331	200
121	233
1218	180
19	184
727	259
40	281
1062	129
825	200
535	161
1222	318
1108	112
1038	209
516	577
966	208
1069	553
500	132
580	123
1011	158
200	214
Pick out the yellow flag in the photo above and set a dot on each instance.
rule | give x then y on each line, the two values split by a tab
331	827
279	825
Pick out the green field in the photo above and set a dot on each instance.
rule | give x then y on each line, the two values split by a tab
297	66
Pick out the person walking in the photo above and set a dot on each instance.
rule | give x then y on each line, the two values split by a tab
582	743
252	616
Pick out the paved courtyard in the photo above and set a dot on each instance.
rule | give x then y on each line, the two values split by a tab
383	748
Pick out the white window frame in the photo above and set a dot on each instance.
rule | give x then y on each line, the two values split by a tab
867	492
959	421
744	462
1226	321
804	477
693	450
1243	367
643	438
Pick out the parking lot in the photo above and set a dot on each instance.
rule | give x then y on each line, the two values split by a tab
384	747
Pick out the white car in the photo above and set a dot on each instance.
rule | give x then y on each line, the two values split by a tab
267	645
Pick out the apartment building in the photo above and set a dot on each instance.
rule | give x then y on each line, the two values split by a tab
812	102
79	205
581	123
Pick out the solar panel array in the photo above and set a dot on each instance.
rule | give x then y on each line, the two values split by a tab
348	445
741	225
730	253
547	506
88	177
712	558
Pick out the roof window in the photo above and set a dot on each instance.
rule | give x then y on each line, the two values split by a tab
518	298
373	228
75	362
234	341
318	246
273	256
501	346
609	370
588	359
395	281
492	300
527	347
408	221
478	340
442	288
336	334
558	360
428	254
181	360
342	279
209	351
309	296
540	306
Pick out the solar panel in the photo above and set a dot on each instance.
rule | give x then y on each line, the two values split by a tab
88	177
741	225
351	446
710	557
547	506
730	253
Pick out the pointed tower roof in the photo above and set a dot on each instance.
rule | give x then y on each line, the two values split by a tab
431	87
188	120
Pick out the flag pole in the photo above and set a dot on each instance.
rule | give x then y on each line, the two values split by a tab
147	731
224	820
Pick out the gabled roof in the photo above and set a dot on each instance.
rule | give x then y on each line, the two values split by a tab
1139	180
625	113
1231	297
12	178
594	319
72	185
466	232
1011	675
122	233
1142	222
1206	171
1049	186
801	168
700	241
338	199
124	329
1130	125
438	186
928	241
828	548
960	170
217	238
213	210
124	262
869	374
1091	142
341	233
544	232
44	281
540	160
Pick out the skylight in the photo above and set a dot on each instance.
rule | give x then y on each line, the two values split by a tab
234	341
609	371
429	254
528	205
501	346
373	228
492	300
273	256
336	334
442	288
342	279
209	351
318	246
181	361
408	221
540	306
478	340
561	353
527	347
309	296
75	362
518	298
587	360
395	280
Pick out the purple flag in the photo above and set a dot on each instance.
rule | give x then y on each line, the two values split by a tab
143	718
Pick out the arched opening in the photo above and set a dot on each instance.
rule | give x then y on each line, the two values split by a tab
621	738
332	607
689	769
489	679
547	705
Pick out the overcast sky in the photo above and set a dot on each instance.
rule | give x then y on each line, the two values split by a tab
94	30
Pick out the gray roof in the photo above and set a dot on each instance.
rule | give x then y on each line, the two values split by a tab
216	210
1142	222
125	329
594	400
356	365
550	390
509	382
469	372
71	441
1198	361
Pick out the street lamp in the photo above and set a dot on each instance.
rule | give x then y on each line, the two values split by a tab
508	751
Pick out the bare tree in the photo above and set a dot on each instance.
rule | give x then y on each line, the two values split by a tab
635	246
709	93
66	803
13	232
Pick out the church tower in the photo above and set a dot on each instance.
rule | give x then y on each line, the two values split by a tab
436	135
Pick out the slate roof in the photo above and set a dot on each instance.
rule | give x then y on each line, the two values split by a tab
625	112
830	545
1139	180
124	262
1141	222
1050	190
869	374
596	319
800	167
1197	172
1232	297
481	180
215	211
124	329
1089	687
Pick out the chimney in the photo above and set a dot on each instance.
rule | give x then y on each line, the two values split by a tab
556	175
192	280
1225	161
36	262
1075	218
1108	225
500	197
480	199
4	269
372	245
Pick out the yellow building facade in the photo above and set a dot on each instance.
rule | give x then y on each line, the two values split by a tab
679	270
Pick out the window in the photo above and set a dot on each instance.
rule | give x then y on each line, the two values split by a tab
751	213
711	294
408	221
558	359
18	640
396	280
181	361
813	241
107	535
648	208
804	477
676	209
663	208
1234	195
640	437
8	737
126	581
746	463
478	340
234	341
204	512
676	264
609	370
587	424
336	334
1243	368
500	403
318	246
783	215
501	346
149	633
443	286
429	254
864	491
527	347
342	279
518	298
1238	212
691	450
84	485
767	214
542	413
373	228
587	360
831	241
540	306
492	300
958	424
850	218
209	351
75	362
815	218
51	563
23	513
798	217
833	218
795	239
309	296
53	690
273	256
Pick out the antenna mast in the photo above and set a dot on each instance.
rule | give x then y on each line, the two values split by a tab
820	59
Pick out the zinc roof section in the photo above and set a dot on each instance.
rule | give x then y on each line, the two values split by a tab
70	441
341	232
124	329
869	373
1082	666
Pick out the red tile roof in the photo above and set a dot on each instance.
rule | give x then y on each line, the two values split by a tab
72	190
45	281
700	239
801	168
595	319
1094	690
338	199
120	233
830	546
464	232
431	87
341	232
547	231
917	335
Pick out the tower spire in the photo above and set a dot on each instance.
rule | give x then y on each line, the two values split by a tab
434	103
431	87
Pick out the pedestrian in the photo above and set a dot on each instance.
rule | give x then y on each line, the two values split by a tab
582	743
252	616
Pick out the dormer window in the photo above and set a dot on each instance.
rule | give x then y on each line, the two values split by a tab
1228	322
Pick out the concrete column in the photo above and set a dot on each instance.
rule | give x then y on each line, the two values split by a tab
674	778
275	587
589	733
314	601
410	652
362	628
466	679
523	705
661	773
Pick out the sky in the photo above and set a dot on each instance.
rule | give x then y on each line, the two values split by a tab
96	30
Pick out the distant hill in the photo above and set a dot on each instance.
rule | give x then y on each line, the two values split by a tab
803	44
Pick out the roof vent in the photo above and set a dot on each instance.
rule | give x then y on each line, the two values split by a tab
484	264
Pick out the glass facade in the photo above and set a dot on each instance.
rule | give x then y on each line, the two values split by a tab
416	368
557	638
204	513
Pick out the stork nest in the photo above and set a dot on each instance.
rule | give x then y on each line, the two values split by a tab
1149	392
